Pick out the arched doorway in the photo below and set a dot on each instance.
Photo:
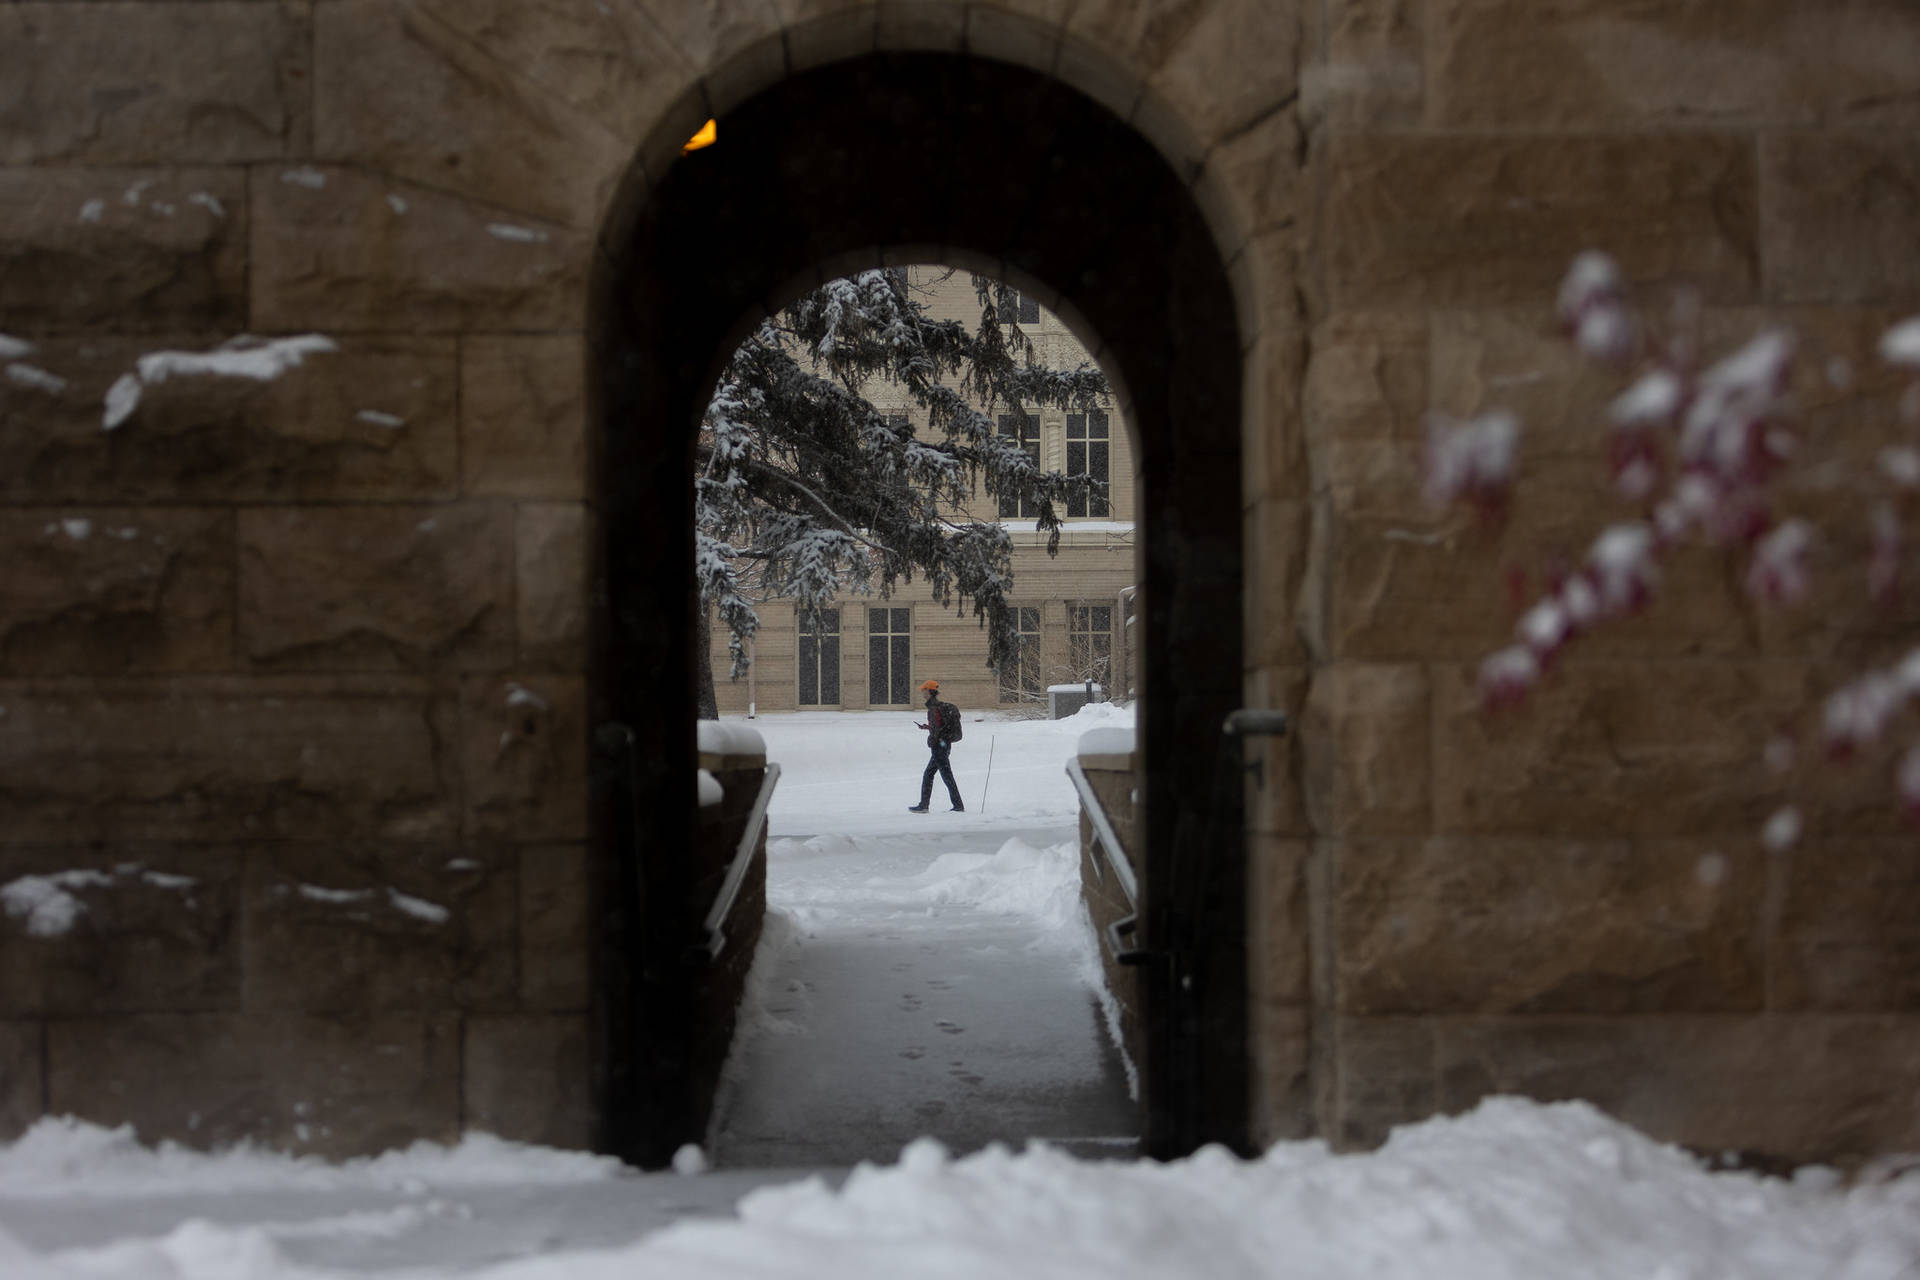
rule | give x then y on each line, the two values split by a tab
896	158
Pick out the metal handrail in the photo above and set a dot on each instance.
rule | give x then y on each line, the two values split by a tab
716	919
1114	854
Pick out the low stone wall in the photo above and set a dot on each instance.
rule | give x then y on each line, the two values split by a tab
718	984
1115	781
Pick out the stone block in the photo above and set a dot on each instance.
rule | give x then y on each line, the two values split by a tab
1230	69
528	1079
1276	541
1365	746
525	749
1407	584
1277	922
708	36
1373	75
1279	1110
22	1090
1274	459
1803	1088
1840	216
358	927
115	591
1589	65
406	90
1529	926
123	249
523	417
1273	795
551	585
376	588
1364	400
210	758
333	1086
1385	1077
1260	182
1611	749
1849	933
1419	220
132	929
337	248
610	63
204	83
555	928
371	420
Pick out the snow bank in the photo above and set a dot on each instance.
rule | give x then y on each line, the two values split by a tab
721	738
62	1156
1514	1190
1019	879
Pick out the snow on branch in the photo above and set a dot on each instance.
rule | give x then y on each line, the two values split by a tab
1701	451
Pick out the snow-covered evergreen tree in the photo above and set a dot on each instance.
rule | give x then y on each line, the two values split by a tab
804	489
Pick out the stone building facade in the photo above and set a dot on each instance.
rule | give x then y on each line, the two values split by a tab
283	660
871	653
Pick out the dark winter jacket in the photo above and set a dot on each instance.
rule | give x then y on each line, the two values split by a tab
941	717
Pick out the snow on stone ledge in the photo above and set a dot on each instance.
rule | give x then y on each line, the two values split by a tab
718	738
1106	741
245	356
708	788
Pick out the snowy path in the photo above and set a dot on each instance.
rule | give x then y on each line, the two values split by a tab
923	975
891	1013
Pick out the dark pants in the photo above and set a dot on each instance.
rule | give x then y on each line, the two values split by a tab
938	764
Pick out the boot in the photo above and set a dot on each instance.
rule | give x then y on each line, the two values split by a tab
958	807
917	808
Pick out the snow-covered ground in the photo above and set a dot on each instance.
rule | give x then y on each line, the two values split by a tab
1511	1190
933	973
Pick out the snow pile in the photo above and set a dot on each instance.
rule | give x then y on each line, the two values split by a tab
1019	879
61	1156
45	903
728	738
1511	1191
1108	741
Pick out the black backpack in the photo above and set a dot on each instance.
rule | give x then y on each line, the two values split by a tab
949	722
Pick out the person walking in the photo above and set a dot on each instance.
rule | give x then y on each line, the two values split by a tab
943	730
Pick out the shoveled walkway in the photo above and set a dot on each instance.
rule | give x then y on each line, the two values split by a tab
917	983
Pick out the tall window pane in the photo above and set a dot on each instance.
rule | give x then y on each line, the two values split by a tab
1020	677
1089	449
889	656
1024	428
1090	642
819	659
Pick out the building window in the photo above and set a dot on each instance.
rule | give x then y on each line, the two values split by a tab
889	657
1025	428
1020	677
1089	453
1027	307
820	659
1090	642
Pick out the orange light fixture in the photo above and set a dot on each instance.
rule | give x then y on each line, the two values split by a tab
709	133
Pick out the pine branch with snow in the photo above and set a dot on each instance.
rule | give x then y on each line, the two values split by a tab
805	490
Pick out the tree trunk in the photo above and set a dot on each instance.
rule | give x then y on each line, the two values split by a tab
706	705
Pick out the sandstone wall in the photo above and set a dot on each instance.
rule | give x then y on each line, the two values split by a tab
1573	900
283	661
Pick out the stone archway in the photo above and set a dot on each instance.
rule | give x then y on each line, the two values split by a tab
917	157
